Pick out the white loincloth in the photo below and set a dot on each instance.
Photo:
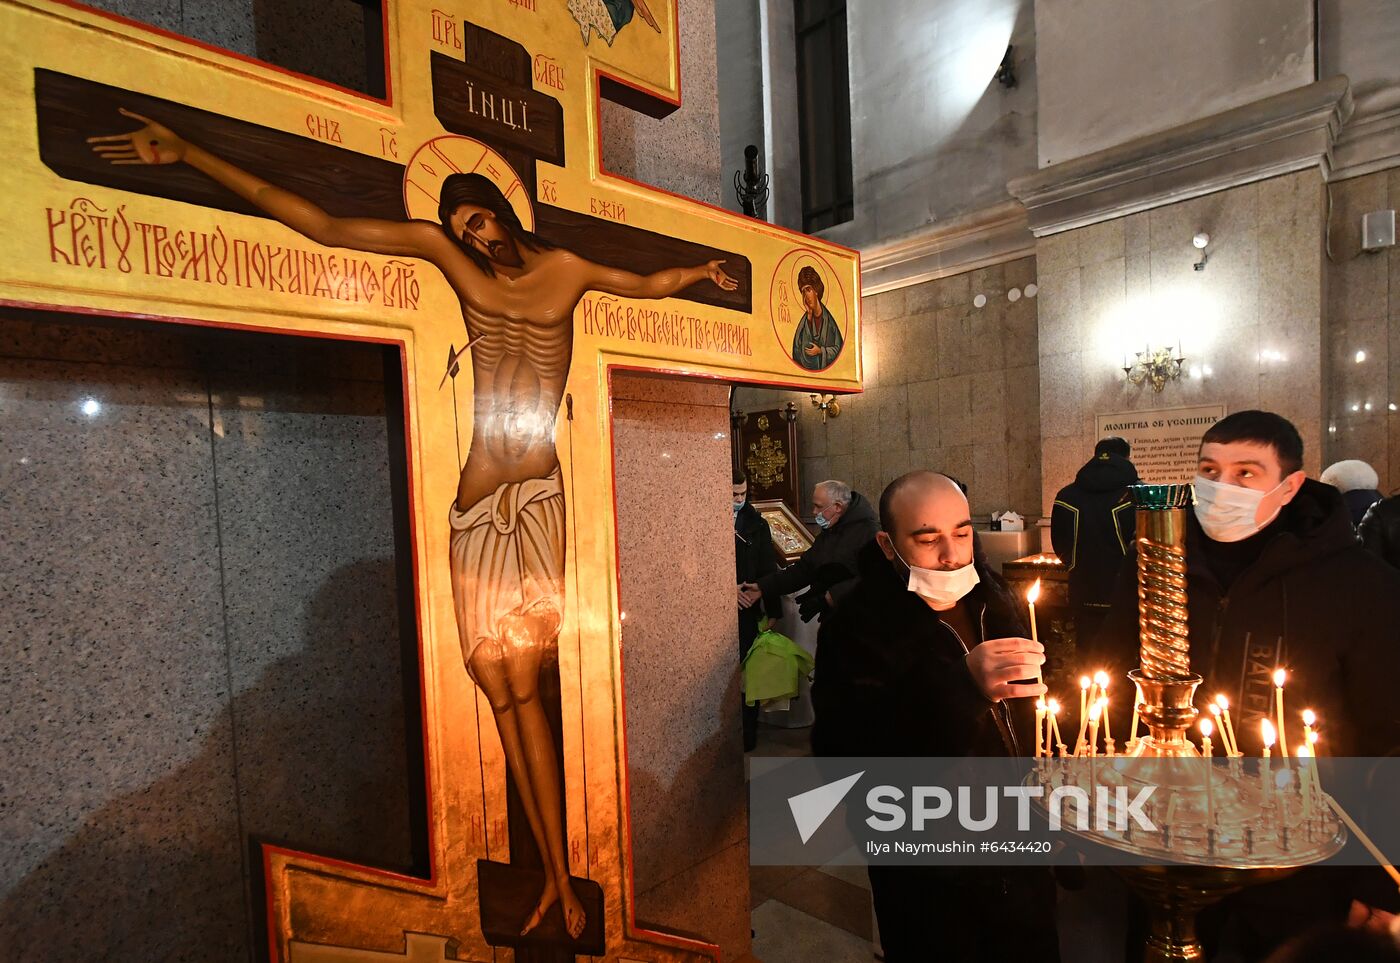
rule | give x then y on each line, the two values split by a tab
507	555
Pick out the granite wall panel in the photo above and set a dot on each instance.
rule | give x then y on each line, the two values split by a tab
200	620
1249	324
1361	369
679	658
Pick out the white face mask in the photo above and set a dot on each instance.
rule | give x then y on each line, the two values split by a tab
937	586
1229	513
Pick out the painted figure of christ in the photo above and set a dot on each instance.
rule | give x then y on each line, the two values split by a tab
518	293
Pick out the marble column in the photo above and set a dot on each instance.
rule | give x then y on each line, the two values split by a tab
680	662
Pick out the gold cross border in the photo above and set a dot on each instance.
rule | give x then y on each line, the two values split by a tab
62	36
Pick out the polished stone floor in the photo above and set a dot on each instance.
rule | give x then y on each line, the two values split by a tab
803	913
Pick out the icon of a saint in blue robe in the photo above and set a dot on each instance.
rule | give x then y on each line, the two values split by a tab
817	341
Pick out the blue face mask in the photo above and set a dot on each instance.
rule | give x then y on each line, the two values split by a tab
821	521
736	506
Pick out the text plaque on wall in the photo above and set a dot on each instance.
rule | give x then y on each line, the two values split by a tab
1164	440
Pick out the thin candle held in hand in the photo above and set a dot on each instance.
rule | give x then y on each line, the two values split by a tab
1031	597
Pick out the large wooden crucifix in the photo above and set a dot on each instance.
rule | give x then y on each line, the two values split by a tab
469	220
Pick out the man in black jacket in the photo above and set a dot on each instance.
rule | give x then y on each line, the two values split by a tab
754	557
827	569
1379	530
1276	579
921	659
1091	527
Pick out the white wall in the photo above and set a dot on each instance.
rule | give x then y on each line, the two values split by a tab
1113	70
933	134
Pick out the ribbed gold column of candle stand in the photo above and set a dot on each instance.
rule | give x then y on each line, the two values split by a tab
1243	829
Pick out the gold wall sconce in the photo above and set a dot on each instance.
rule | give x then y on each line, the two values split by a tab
1156	366
827	405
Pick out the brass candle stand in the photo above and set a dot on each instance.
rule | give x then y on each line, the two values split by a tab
1220	827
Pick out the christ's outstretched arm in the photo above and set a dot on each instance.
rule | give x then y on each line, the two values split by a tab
155	144
662	284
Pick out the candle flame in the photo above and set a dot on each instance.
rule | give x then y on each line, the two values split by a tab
1309	717
1280	677
1270	735
1039	705
1214	710
1103	701
1303	752
1207	727
1084	682
1034	592
1094	711
1222	702
1054	707
1312	738
1101	677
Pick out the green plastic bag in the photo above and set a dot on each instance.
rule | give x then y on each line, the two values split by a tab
773	667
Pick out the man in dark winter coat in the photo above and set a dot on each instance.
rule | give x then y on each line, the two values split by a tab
847	524
1275	578
921	659
1091	527
1380	530
754	557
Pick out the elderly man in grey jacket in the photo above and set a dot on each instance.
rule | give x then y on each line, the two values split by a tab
847	523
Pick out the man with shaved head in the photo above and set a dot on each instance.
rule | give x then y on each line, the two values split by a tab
927	656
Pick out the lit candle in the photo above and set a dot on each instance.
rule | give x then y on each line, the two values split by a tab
1305	780
1094	711
1031	596
1101	686
1132	731
1224	736
1280	677
1265	777
1207	727
1316	772
1229	731
1055	726
1039	726
1309	720
1084	683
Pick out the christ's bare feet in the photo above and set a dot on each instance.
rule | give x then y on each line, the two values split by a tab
574	916
548	897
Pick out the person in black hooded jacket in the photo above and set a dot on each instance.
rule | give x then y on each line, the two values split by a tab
1276	579
921	659
1379	530
754	557
1091	527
